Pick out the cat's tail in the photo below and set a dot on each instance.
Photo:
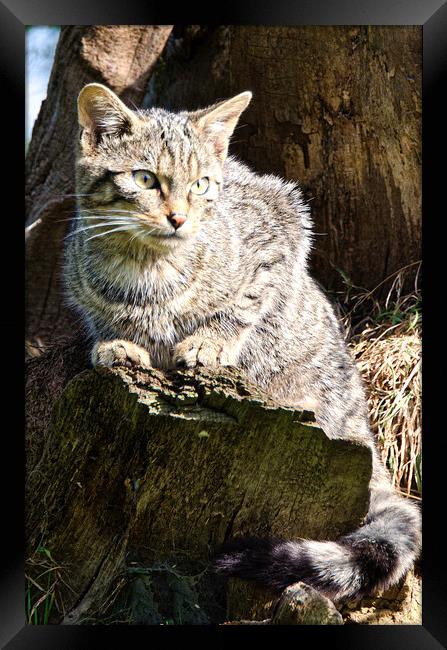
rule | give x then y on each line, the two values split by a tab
373	557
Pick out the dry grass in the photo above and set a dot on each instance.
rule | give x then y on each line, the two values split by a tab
385	337
45	587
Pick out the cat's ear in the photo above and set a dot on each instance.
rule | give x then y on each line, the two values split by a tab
101	112
217	122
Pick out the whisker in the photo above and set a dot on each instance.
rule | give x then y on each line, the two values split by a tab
70	196
100	225
105	216
102	234
100	210
144	231
115	222
135	236
101	216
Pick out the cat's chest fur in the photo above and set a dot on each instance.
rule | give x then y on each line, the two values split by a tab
153	304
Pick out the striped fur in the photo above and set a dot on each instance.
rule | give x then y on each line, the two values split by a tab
229	287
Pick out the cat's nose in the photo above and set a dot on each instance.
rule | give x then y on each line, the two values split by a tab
177	219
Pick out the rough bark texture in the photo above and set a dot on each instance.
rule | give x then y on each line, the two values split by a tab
142	475
336	108
121	57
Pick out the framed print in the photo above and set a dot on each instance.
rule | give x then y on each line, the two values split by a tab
223	334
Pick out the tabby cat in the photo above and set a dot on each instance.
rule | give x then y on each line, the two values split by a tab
180	255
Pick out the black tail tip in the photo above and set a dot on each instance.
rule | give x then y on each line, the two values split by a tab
252	559
232	555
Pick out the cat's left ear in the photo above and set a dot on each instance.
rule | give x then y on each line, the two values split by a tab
217	122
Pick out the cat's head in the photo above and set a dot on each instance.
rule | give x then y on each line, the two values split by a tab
150	175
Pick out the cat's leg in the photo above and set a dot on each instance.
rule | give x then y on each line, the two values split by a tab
119	352
210	347
220	341
204	350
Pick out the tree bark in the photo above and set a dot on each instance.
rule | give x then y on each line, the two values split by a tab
337	109
122	57
142	475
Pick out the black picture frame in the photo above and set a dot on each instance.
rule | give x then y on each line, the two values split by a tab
432	16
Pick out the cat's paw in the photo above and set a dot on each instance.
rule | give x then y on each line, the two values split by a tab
120	353
200	351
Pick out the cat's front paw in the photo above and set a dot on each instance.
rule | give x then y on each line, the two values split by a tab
200	351
120	353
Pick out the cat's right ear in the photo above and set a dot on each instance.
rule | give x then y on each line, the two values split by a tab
217	122
101	112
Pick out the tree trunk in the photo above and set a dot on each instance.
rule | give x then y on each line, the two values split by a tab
121	57
143	474
337	109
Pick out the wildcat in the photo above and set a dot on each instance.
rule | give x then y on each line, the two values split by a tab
181	255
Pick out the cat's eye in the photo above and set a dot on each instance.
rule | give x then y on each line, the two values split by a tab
201	186
145	179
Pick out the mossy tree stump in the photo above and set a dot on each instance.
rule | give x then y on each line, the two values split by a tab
145	474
